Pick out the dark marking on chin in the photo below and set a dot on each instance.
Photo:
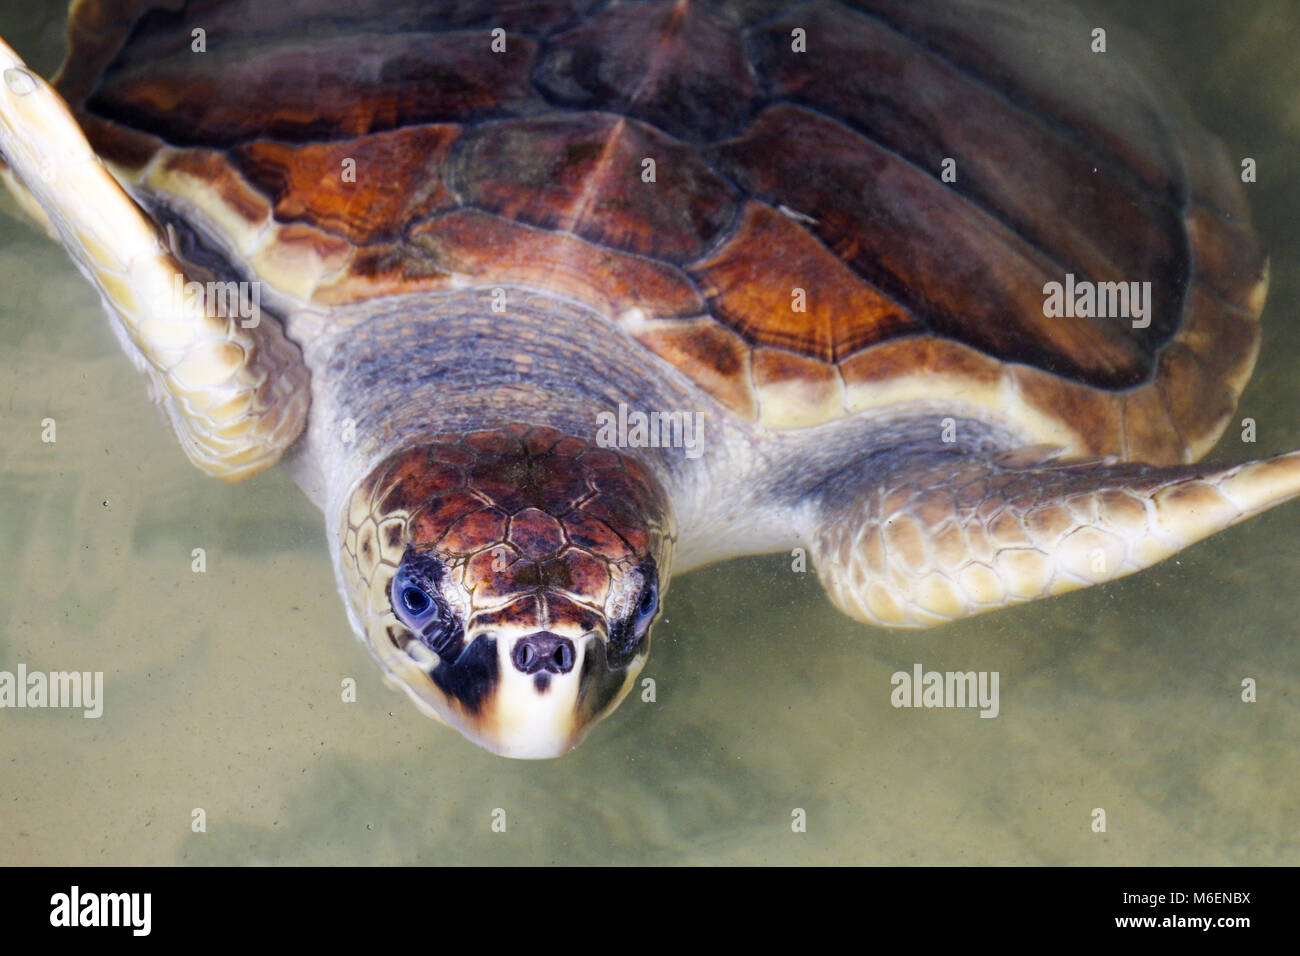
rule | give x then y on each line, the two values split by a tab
600	682
542	682
474	676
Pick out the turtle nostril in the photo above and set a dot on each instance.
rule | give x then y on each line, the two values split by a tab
544	651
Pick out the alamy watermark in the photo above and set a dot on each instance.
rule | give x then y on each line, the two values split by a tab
920	688
129	910
76	689
637	429
228	299
1102	300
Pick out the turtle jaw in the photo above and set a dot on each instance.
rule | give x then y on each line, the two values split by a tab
521	683
539	710
520	692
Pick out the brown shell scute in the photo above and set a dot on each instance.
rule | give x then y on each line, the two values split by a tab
476	243
395	177
774	171
692	81
954	265
581	174
300	90
918	105
752	282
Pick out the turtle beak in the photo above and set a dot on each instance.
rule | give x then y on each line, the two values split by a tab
543	695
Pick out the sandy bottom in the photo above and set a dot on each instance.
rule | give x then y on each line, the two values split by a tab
223	688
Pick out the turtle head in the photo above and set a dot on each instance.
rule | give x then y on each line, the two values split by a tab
508	580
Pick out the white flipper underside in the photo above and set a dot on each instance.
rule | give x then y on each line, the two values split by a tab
236	393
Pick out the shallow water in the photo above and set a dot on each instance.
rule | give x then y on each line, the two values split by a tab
223	688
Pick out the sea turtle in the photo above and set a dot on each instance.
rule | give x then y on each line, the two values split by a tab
542	301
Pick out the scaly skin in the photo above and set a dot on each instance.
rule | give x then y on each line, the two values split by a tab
960	536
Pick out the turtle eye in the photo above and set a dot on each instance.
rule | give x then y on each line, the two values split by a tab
414	606
417	604
415	600
628	631
647	607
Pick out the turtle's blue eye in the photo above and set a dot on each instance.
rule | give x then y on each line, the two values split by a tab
415	600
647	606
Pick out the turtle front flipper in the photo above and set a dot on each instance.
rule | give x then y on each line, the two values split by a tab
955	535
234	388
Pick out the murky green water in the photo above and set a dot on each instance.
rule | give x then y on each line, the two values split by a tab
223	688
